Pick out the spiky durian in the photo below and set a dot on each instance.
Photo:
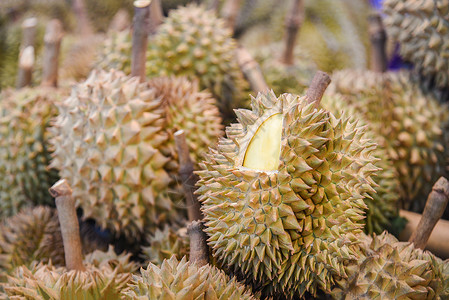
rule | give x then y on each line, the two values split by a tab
31	235
383	204
388	269
193	42
103	278
411	126
189	109
24	148
116	52
422	29
181	279
283	194
106	141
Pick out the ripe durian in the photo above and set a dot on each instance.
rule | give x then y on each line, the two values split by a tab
184	280
31	235
193	42
412	127
422	29
106	140
166	243
283	195
383	204
24	148
388	269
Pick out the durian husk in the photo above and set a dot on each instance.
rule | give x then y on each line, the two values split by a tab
388	269
422	30
116	52
287	230
181	279
106	139
31	235
411	126
25	151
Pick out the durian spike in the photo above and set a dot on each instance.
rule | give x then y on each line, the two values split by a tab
251	70
292	25
378	38
83	25
435	206
199	251
68	221
52	41
319	84
188	178
230	11
156	16
26	64
140	37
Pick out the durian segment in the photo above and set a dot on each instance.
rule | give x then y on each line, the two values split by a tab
412	127
287	231
422	29
184	280
106	141
388	269
25	151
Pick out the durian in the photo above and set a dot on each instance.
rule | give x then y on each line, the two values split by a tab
422	29
166	243
283	195
24	148
31	235
388	269
106	140
184	280
116	52
411	126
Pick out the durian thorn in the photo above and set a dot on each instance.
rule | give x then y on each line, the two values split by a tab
68	221
317	88
188	178
52	40
292	25
435	206
378	39
251	70
141	23
199	251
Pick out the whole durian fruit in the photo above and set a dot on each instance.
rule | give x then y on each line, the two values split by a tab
184	280
193	42
422	29
31	235
282	196
106	140
388	269
383	204
163	244
414	136
24	148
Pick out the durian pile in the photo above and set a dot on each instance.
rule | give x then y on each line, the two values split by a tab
300	189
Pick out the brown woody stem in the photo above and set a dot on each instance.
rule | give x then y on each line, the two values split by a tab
52	41
435	206
230	11
251	70
120	22
69	225
317	88
26	64
199	251
29	27
378	39
156	16
140	37
292	25
83	26
188	178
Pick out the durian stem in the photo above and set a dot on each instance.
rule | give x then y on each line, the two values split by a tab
230	11
52	41
188	178
156	16
199	251
251	70
140	37
120	21
26	63
292	25
68	221
435	206
83	26
319	84
214	5
29	27
378	39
